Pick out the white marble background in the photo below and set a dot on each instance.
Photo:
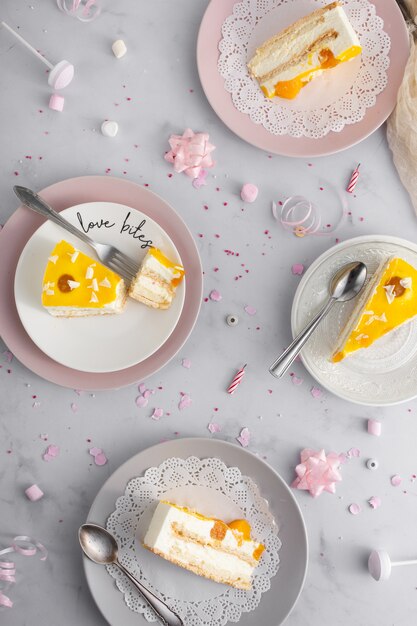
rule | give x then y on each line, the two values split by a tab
159	74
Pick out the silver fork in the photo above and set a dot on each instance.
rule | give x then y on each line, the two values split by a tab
108	255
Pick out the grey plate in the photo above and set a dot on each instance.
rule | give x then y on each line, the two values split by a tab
286	586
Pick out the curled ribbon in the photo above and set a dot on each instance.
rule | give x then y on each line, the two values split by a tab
25	546
84	10
190	153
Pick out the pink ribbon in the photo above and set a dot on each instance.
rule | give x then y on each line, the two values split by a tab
190	153
25	546
317	472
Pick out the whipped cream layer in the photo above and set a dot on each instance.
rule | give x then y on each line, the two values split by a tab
206	546
288	61
156	281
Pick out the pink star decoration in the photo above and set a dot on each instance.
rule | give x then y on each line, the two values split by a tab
317	472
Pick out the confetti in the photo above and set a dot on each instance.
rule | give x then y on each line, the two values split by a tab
250	310
316	392
297	269
51	453
215	295
354	508
317	472
186	363
214	428
8	356
374	502
244	437
141	401
142	388
295	380
74	407
396	480
157	414
100	459
95	451
353	452
184	402
200	180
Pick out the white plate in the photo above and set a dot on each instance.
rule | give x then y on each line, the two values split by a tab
95	344
286	585
385	373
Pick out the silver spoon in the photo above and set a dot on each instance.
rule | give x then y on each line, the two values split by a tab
345	285
101	547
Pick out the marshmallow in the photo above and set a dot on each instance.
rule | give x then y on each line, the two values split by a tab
34	493
374	427
249	192
119	48
56	102
109	128
61	75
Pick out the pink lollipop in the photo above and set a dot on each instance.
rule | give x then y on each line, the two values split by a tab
61	73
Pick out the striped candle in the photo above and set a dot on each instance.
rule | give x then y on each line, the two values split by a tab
353	180
236	381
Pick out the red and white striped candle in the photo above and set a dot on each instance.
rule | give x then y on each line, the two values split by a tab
353	180
236	381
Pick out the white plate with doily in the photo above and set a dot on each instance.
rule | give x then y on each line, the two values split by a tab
334	111
386	372
217	478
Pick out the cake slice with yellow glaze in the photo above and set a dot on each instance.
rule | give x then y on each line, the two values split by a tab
156	282
388	302
75	285
288	61
209	547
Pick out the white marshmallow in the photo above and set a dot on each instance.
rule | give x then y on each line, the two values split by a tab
119	48
109	128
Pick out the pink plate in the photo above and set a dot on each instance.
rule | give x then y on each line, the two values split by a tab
240	123
21	226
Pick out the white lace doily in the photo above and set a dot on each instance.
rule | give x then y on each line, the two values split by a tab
212	488
341	96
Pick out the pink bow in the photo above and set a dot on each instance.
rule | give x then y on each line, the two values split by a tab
190	152
317	472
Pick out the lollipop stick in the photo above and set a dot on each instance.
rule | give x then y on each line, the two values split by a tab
414	562
27	45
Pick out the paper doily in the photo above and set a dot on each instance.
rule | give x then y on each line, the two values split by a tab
213	488
326	104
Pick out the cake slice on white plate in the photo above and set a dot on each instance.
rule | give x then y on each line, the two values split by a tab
206	546
75	285
157	280
288	61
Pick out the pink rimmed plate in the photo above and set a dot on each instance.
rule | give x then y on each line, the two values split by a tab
255	134
21	226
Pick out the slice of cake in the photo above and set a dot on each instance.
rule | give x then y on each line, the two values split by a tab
156	282
208	547
286	62
388	302
74	285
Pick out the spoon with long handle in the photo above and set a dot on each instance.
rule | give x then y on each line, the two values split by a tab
101	547
345	285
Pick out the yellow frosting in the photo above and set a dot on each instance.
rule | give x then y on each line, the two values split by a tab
290	89
91	285
163	260
390	305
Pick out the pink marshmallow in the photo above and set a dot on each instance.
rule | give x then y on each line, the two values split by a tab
34	493
374	427
249	192
56	102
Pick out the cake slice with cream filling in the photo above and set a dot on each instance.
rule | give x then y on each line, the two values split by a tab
156	281
388	302
206	546
75	285
288	61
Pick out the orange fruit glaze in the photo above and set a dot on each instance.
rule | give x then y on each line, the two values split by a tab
290	89
163	260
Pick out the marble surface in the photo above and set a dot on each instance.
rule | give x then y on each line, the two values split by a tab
159	76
